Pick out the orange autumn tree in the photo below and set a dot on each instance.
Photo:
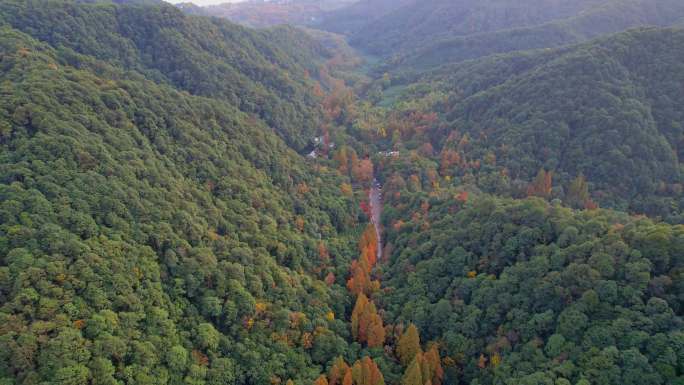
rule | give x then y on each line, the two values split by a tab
542	185
434	363
323	253
353	160
422	368
362	171
578	194
368	244
449	159
338	102
363	372
366	324
413	375
482	361
330	279
462	197
360	280
375	336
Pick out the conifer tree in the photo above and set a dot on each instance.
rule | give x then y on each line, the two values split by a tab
337	371
409	345
413	374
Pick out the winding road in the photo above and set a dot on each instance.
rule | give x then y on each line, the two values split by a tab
375	200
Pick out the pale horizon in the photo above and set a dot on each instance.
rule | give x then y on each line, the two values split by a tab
204	2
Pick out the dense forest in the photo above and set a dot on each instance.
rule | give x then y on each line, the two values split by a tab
527	292
403	192
154	230
607	112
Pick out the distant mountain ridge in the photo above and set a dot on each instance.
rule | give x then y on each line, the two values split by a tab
429	33
613	17
267	13
123	2
350	19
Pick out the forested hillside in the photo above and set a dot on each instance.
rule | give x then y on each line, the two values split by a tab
524	292
610	110
549	289
607	112
260	72
497	257
153	236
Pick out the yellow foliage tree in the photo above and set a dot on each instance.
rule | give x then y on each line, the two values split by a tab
346	190
425	369
409	345
338	370
413	374
496	359
366	372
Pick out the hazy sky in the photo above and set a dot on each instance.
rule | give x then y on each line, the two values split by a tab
204	2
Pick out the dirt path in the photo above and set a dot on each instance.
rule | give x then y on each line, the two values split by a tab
375	199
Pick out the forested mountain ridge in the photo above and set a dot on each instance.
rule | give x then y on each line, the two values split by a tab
425	21
260	13
420	34
261	72
609	18
350	19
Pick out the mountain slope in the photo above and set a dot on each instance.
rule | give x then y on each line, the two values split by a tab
202	56
609	110
525	292
150	236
